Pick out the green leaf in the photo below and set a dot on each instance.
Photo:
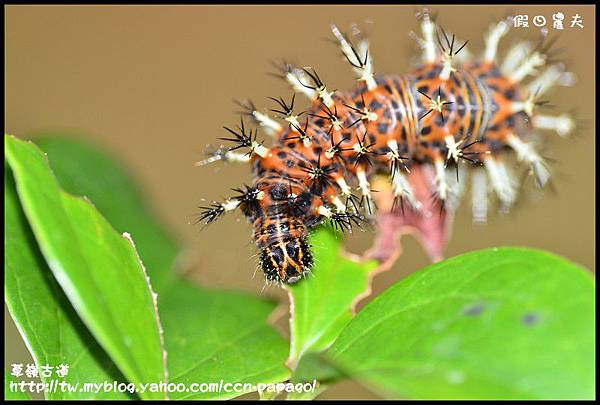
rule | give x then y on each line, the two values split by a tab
268	395
316	366
13	395
220	335
322	305
201	326
86	170
498	323
97	268
49	325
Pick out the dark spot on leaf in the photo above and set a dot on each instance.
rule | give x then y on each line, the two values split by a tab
474	309
530	319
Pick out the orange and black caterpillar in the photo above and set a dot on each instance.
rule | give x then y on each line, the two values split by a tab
452	109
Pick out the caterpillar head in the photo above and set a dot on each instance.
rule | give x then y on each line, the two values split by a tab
284	253
281	222
286	260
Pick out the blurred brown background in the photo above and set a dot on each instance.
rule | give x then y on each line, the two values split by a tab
155	84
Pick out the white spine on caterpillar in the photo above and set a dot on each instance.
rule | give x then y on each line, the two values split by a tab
514	56
370	115
267	123
527	153
440	182
454	151
402	188
546	80
237	157
368	73
364	186
479	196
393	155
259	149
339	205
563	124
527	106
528	67
296	78
343	186
361	61
230	205
448	69
324	211
456	185
497	31
502	182
428	44
293	122
227	156
325	96
336	124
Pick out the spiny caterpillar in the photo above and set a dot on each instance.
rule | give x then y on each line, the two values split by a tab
451	110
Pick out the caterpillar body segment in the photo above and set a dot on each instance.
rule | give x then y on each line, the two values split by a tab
451	114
